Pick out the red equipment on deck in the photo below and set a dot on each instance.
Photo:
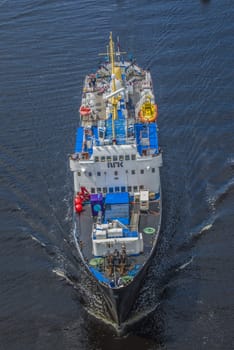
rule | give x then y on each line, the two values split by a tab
82	196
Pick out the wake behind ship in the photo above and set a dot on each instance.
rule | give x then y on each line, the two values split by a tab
116	166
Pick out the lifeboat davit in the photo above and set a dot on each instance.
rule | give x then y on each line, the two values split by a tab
85	110
148	112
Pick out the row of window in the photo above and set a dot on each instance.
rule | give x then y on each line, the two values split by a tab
115	158
117	189
133	172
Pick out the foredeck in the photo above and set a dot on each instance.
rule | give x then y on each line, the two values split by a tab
148	223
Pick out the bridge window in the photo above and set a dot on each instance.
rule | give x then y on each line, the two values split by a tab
104	190
121	158
123	189
129	188
92	190
96	159
135	188
133	157
115	158
117	189
103	158
78	173
99	190
127	156
108	158
111	190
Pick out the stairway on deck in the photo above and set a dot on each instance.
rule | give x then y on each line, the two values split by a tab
134	221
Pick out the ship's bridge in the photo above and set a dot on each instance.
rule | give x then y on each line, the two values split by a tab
116	168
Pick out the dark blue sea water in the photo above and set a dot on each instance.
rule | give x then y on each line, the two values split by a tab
46	48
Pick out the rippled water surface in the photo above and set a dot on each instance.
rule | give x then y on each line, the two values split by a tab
46	48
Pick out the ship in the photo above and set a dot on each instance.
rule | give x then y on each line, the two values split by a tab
116	168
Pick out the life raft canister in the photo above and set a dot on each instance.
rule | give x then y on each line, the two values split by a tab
79	208
78	204
85	110
78	200
81	196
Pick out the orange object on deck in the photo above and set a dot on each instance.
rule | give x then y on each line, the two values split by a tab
85	110
148	112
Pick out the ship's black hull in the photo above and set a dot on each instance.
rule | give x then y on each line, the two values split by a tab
119	301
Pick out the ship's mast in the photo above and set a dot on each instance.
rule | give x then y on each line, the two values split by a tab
112	60
114	99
